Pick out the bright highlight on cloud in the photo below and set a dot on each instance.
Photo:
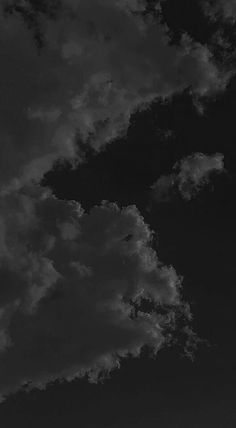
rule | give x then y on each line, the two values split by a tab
190	175
72	286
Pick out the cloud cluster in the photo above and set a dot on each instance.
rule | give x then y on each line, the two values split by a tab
71	289
190	175
102	61
73	283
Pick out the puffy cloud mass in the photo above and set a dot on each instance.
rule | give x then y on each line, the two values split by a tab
72	286
190	175
101	61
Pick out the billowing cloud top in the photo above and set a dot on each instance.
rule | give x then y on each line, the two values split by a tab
100	63
72	286
190	175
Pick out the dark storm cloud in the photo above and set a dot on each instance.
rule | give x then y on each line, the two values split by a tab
100	63
69	283
190	175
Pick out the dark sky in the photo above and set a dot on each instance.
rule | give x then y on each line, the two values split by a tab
196	234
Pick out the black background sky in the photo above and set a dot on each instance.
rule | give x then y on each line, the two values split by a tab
197	237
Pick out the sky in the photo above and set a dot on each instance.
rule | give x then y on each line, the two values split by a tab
117	218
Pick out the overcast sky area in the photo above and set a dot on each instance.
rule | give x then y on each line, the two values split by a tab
117	213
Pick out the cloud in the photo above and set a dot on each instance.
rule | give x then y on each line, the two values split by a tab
163	188
71	289
190	175
101	62
221	8
73	283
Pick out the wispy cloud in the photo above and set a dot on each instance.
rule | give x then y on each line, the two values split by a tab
221	8
189	176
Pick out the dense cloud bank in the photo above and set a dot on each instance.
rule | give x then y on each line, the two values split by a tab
100	63
190	175
71	289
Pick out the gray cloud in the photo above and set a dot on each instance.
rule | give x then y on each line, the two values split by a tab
70	282
190	175
221	8
100	63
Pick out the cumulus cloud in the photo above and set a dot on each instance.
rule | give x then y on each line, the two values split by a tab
72	286
102	61
190	175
